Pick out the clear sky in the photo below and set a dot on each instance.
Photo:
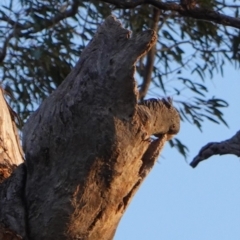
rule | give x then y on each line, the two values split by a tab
177	202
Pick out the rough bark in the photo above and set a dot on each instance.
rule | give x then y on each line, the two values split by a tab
88	146
12	211
229	146
10	148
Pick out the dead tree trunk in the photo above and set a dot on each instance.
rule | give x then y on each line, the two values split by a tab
88	146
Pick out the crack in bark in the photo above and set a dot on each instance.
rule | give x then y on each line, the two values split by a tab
129	195
97	218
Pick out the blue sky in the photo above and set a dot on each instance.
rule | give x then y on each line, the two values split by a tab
178	202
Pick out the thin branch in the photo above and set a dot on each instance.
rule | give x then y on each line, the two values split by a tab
163	49
228	5
183	64
3	52
47	24
13	23
150	59
196	13
56	19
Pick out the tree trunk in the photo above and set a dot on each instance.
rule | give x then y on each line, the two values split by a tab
88	146
12	211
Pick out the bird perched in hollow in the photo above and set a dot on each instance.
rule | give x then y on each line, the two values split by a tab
159	117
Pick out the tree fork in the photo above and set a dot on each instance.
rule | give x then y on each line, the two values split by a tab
88	146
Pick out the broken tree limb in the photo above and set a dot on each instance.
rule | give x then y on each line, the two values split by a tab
12	211
10	149
230	146
88	146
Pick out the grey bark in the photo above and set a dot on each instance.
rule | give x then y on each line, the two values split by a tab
88	146
229	146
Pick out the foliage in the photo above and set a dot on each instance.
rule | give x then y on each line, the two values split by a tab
42	41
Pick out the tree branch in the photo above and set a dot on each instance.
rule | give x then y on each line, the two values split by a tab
50	22
196	13
13	23
150	59
230	146
3	51
18	27
228	5
10	151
